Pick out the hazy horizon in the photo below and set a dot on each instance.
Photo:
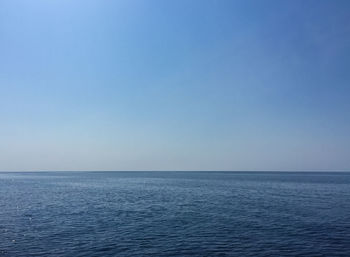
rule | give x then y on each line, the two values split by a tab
174	85
163	170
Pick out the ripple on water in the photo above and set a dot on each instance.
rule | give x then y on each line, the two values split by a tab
174	214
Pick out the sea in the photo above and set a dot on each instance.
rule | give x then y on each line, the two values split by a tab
174	214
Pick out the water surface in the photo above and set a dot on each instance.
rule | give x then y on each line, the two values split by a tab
174	214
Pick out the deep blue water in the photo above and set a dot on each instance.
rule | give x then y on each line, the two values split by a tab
174	214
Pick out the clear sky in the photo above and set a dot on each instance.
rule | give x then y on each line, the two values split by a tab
174	85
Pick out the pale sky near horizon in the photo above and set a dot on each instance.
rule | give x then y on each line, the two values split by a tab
174	85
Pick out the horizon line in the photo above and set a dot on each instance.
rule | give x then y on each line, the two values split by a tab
18	171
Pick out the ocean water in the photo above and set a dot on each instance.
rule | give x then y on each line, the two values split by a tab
174	214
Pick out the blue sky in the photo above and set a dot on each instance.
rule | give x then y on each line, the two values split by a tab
174	85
